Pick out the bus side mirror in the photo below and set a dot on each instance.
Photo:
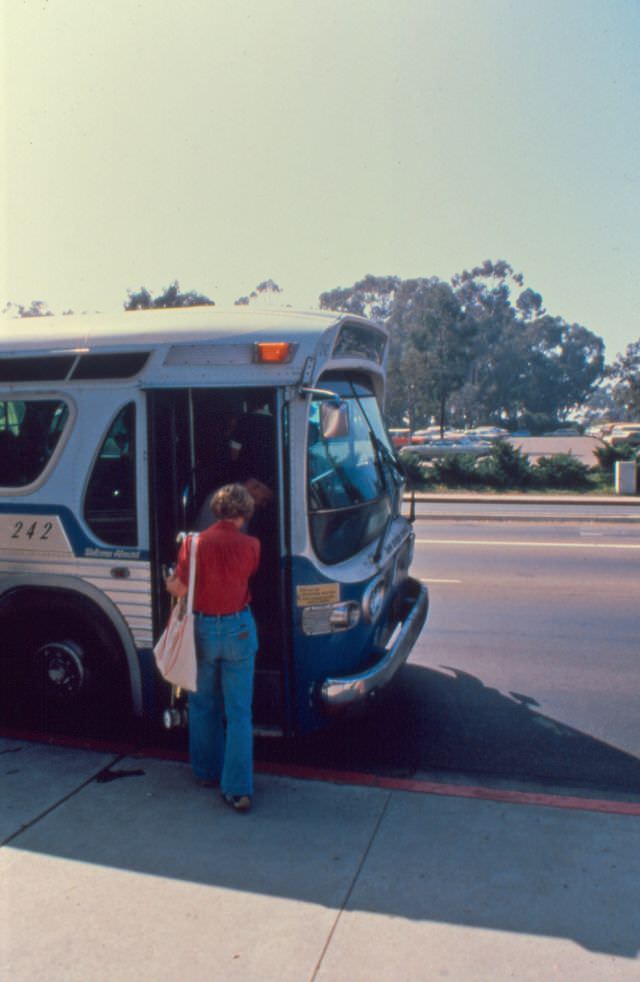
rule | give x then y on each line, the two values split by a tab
334	420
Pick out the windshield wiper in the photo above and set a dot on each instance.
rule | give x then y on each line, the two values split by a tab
399	475
384	456
383	536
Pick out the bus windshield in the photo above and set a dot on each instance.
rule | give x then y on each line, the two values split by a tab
352	478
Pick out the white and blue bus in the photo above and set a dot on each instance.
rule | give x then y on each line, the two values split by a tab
113	432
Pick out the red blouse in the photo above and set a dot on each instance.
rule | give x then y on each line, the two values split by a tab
225	560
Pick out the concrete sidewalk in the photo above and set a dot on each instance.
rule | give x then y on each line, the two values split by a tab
145	876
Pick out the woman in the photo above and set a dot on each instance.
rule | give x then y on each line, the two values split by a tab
226	644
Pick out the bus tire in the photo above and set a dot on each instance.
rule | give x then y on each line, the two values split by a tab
65	665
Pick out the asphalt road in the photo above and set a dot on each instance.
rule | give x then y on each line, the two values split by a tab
528	669
549	612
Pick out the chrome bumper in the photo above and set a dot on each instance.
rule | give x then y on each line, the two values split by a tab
339	693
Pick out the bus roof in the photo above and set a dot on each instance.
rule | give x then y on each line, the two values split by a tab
31	335
195	345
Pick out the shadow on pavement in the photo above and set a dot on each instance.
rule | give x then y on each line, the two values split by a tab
449	721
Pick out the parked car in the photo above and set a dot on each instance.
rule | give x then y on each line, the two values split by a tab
421	436
624	433
596	429
488	433
400	436
444	448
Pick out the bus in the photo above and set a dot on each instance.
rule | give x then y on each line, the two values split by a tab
113	432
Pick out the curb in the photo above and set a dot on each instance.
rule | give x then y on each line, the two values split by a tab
630	501
599	508
547	519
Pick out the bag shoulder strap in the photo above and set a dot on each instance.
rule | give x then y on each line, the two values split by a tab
193	548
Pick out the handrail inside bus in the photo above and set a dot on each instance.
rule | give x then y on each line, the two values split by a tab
308	390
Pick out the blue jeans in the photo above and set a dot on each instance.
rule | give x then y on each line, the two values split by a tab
226	648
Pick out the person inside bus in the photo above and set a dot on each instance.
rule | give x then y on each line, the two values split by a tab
252	444
318	459
226	646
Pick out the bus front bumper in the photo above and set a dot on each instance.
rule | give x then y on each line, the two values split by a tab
337	694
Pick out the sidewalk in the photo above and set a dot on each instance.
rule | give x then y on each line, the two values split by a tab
144	876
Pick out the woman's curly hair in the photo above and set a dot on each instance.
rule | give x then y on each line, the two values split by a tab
232	501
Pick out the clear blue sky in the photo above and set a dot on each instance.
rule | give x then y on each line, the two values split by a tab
224	142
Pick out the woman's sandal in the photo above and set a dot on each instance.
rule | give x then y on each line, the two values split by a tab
239	802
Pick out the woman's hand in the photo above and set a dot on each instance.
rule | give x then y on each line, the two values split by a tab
175	586
260	493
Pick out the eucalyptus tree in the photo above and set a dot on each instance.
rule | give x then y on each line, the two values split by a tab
266	288
624	375
171	296
480	349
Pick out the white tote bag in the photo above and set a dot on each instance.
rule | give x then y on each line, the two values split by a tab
175	652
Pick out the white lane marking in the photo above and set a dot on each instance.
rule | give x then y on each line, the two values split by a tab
529	545
429	579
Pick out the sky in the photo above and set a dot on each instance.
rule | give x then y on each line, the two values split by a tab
221	143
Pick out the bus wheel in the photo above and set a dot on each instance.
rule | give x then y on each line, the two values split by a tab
76	677
62	668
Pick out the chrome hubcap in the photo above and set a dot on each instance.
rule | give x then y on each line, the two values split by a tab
63	667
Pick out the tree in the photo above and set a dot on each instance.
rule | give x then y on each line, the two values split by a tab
599	406
37	308
539	371
481	349
170	297
440	343
262	289
529	368
372	296
573	361
625	380
394	302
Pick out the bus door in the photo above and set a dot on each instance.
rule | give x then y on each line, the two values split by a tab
200	439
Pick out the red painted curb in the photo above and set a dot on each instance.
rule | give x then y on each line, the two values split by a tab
355	778
570	802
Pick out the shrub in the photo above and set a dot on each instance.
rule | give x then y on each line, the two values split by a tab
455	471
505	467
414	472
562	471
608	455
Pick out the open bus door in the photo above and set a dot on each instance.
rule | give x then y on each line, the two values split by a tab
190	435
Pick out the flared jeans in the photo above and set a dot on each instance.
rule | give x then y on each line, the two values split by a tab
220	717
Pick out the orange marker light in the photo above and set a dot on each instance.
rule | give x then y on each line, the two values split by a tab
273	352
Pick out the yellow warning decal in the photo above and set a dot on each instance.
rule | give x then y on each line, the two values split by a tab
317	593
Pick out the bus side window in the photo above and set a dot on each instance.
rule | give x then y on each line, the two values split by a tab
29	433
110	500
